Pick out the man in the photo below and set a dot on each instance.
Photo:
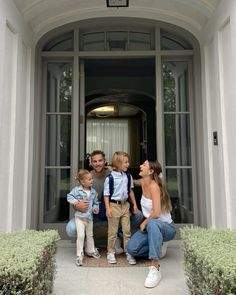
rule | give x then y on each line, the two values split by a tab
99	172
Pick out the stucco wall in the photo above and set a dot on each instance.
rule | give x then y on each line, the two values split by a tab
220	106
15	103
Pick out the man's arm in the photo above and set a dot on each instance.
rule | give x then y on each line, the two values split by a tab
81	205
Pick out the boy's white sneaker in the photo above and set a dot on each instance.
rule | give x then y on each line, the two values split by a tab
153	277
111	257
118	248
163	249
130	259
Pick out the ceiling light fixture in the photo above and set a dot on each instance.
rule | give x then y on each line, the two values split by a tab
117	3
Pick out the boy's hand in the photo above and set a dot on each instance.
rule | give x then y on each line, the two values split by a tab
108	212
135	209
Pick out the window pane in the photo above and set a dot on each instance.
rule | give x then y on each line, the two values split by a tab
93	41
57	185
177	140
61	43
117	40
59	87
179	186
173	42
139	41
58	136
175	86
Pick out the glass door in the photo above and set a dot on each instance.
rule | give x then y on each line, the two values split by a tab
57	126
177	112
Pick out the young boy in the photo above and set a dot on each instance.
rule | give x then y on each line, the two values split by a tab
117	206
84	220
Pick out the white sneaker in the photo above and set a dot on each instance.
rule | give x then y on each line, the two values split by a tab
118	248
79	260
130	259
153	277
163	249
111	257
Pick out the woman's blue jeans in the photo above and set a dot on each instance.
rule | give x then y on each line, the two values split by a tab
148	243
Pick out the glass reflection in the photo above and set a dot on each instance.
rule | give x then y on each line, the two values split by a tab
59	87
179	185
57	185
58	138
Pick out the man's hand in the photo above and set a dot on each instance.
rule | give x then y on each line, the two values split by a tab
81	205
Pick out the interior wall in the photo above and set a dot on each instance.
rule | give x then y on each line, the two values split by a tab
15	63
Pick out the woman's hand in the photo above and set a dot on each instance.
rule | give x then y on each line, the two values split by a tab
143	225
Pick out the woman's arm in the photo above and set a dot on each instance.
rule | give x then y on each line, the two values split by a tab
137	182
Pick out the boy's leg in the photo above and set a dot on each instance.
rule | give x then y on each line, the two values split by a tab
125	224
113	224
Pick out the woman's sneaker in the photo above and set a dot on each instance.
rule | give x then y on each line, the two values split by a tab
130	259
94	254
79	260
111	257
153	277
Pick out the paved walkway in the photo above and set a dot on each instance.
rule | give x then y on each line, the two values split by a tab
71	280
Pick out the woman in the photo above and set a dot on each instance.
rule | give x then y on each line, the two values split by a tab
158	225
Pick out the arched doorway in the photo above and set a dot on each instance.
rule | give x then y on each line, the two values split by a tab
96	73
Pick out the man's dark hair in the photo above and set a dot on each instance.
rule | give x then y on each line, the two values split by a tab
97	152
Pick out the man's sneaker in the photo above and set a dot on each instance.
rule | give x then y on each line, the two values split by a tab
153	277
94	254
111	257
163	249
130	259
79	260
118	248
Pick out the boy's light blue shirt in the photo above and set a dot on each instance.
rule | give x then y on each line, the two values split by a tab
120	186
78	193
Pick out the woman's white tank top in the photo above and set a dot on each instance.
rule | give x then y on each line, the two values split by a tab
146	205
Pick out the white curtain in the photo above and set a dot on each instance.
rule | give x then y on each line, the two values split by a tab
108	135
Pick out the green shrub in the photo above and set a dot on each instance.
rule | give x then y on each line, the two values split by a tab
27	263
209	260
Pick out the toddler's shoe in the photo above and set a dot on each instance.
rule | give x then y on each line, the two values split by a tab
94	254
130	259
79	260
153	277
111	257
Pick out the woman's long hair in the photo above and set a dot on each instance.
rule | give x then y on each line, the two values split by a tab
157	176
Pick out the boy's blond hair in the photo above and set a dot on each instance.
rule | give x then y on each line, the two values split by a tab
118	158
81	174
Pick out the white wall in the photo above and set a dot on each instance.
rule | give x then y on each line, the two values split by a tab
15	118
220	62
